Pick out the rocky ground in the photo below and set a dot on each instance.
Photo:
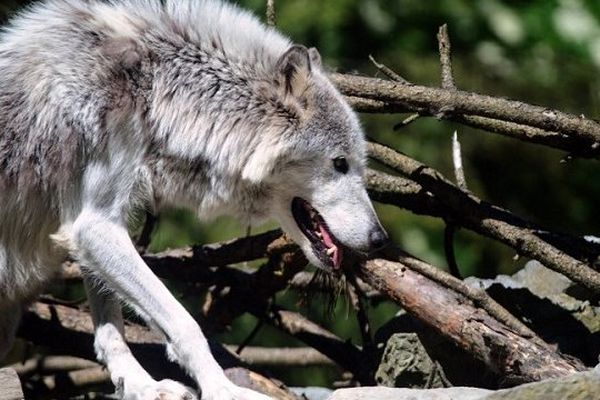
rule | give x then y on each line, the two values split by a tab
418	364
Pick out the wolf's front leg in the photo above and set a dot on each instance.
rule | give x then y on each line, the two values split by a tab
128	376
104	246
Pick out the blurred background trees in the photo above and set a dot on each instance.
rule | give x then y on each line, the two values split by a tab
545	52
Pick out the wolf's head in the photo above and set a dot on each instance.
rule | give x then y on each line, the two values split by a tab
316	167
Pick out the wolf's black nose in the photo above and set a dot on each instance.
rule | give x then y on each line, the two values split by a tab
378	238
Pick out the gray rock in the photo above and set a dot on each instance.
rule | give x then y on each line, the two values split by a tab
383	393
542	281
312	392
405	363
581	386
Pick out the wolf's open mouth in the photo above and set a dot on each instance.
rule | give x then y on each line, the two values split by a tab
313	226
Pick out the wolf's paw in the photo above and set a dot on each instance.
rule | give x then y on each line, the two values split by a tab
232	392
162	390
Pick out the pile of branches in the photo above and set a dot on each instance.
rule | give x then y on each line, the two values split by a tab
467	318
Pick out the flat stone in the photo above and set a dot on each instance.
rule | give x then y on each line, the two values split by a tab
312	392
580	386
383	393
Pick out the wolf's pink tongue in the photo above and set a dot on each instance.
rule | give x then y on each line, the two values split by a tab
326	238
337	252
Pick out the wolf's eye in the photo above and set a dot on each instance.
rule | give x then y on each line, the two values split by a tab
340	164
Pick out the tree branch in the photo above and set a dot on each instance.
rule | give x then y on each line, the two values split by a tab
575	134
342	352
440	197
454	316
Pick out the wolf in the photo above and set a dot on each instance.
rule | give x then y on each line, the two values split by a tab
108	107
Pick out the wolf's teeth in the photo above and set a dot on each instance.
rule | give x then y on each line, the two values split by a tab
330	251
319	234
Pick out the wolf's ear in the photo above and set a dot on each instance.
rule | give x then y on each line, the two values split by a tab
315	57
123	52
293	70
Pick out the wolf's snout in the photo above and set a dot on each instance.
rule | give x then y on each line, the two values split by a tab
378	239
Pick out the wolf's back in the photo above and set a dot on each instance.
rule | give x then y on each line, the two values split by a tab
57	86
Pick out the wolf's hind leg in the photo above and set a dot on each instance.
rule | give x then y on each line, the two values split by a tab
131	380
10	315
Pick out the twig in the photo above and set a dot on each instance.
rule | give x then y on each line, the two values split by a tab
459	172
445	61
449	233
407	121
250	337
389	72
146	235
356	297
271	16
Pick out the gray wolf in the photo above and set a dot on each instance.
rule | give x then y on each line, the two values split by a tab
109	107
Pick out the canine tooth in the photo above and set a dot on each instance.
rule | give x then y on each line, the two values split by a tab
330	251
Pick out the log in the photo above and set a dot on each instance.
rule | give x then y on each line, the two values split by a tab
454	316
10	385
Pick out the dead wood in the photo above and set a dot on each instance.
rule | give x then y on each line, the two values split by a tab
518	359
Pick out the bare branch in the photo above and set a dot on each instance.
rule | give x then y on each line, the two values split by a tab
448	201
575	134
345	354
50	364
283	356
